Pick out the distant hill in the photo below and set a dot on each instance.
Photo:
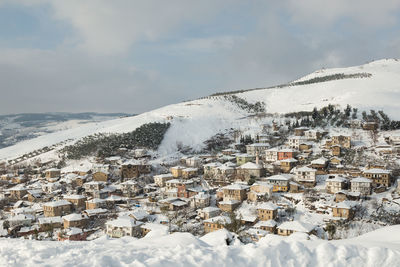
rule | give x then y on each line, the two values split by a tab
375	85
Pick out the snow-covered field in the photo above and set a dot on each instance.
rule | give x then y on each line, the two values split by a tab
378	248
193	122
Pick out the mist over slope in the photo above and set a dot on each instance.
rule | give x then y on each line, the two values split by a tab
375	85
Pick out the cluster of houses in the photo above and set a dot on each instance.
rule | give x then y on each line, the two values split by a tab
127	196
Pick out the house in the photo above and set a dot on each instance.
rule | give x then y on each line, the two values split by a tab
193	162
244	158
208	212
288	228
394	139
57	208
36	195
271	155
286	154
379	177
101	173
215	223
256	234
93	186
335	184
162	178
229	205
189	172
249	170
344	209
49	223
336	150
361	185
130	188
17	192
257	148
370	125
287	164
75	220
342	140
235	192
267	211
225	173
305	176
209	169
77	201
269	225
52	173
259	191
279	182
134	168
229	151
299	131
294	141
72	234
177	171
123	226
96	203
200	200
335	161
312	135
320	164
305	147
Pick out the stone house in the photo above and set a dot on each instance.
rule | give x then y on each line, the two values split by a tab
130	188
176	171
215	223
248	170
379	177
257	148
269	225
235	192
17	192
290	227
57	208
344	210
244	158
162	178
336	150
133	169
288	164
189	172
49	223
259	191
96	203
52	173
77	201
342	140
208	212
75	220
267	211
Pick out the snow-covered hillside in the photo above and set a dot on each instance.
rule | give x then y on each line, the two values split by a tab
193	122
378	248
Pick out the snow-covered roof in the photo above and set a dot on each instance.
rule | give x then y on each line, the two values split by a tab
236	186
75	197
297	226
95	211
281	177
304	169
46	220
269	223
124	222
267	206
360	180
377	171
219	219
57	203
74	217
320	161
210	209
250	165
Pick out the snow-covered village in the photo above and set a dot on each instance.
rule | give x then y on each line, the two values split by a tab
199	133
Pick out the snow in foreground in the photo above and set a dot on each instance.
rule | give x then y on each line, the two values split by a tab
378	248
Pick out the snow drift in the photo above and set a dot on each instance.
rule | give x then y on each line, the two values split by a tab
378	248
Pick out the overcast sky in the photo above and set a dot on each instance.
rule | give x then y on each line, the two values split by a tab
133	56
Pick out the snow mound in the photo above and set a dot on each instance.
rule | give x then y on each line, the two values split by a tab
379	248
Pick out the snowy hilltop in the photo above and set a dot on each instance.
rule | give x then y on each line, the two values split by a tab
371	86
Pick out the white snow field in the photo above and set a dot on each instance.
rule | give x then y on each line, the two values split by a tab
195	121
379	248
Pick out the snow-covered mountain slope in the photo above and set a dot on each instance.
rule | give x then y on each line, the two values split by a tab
378	248
193	122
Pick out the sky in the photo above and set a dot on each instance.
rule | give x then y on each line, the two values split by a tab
134	56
